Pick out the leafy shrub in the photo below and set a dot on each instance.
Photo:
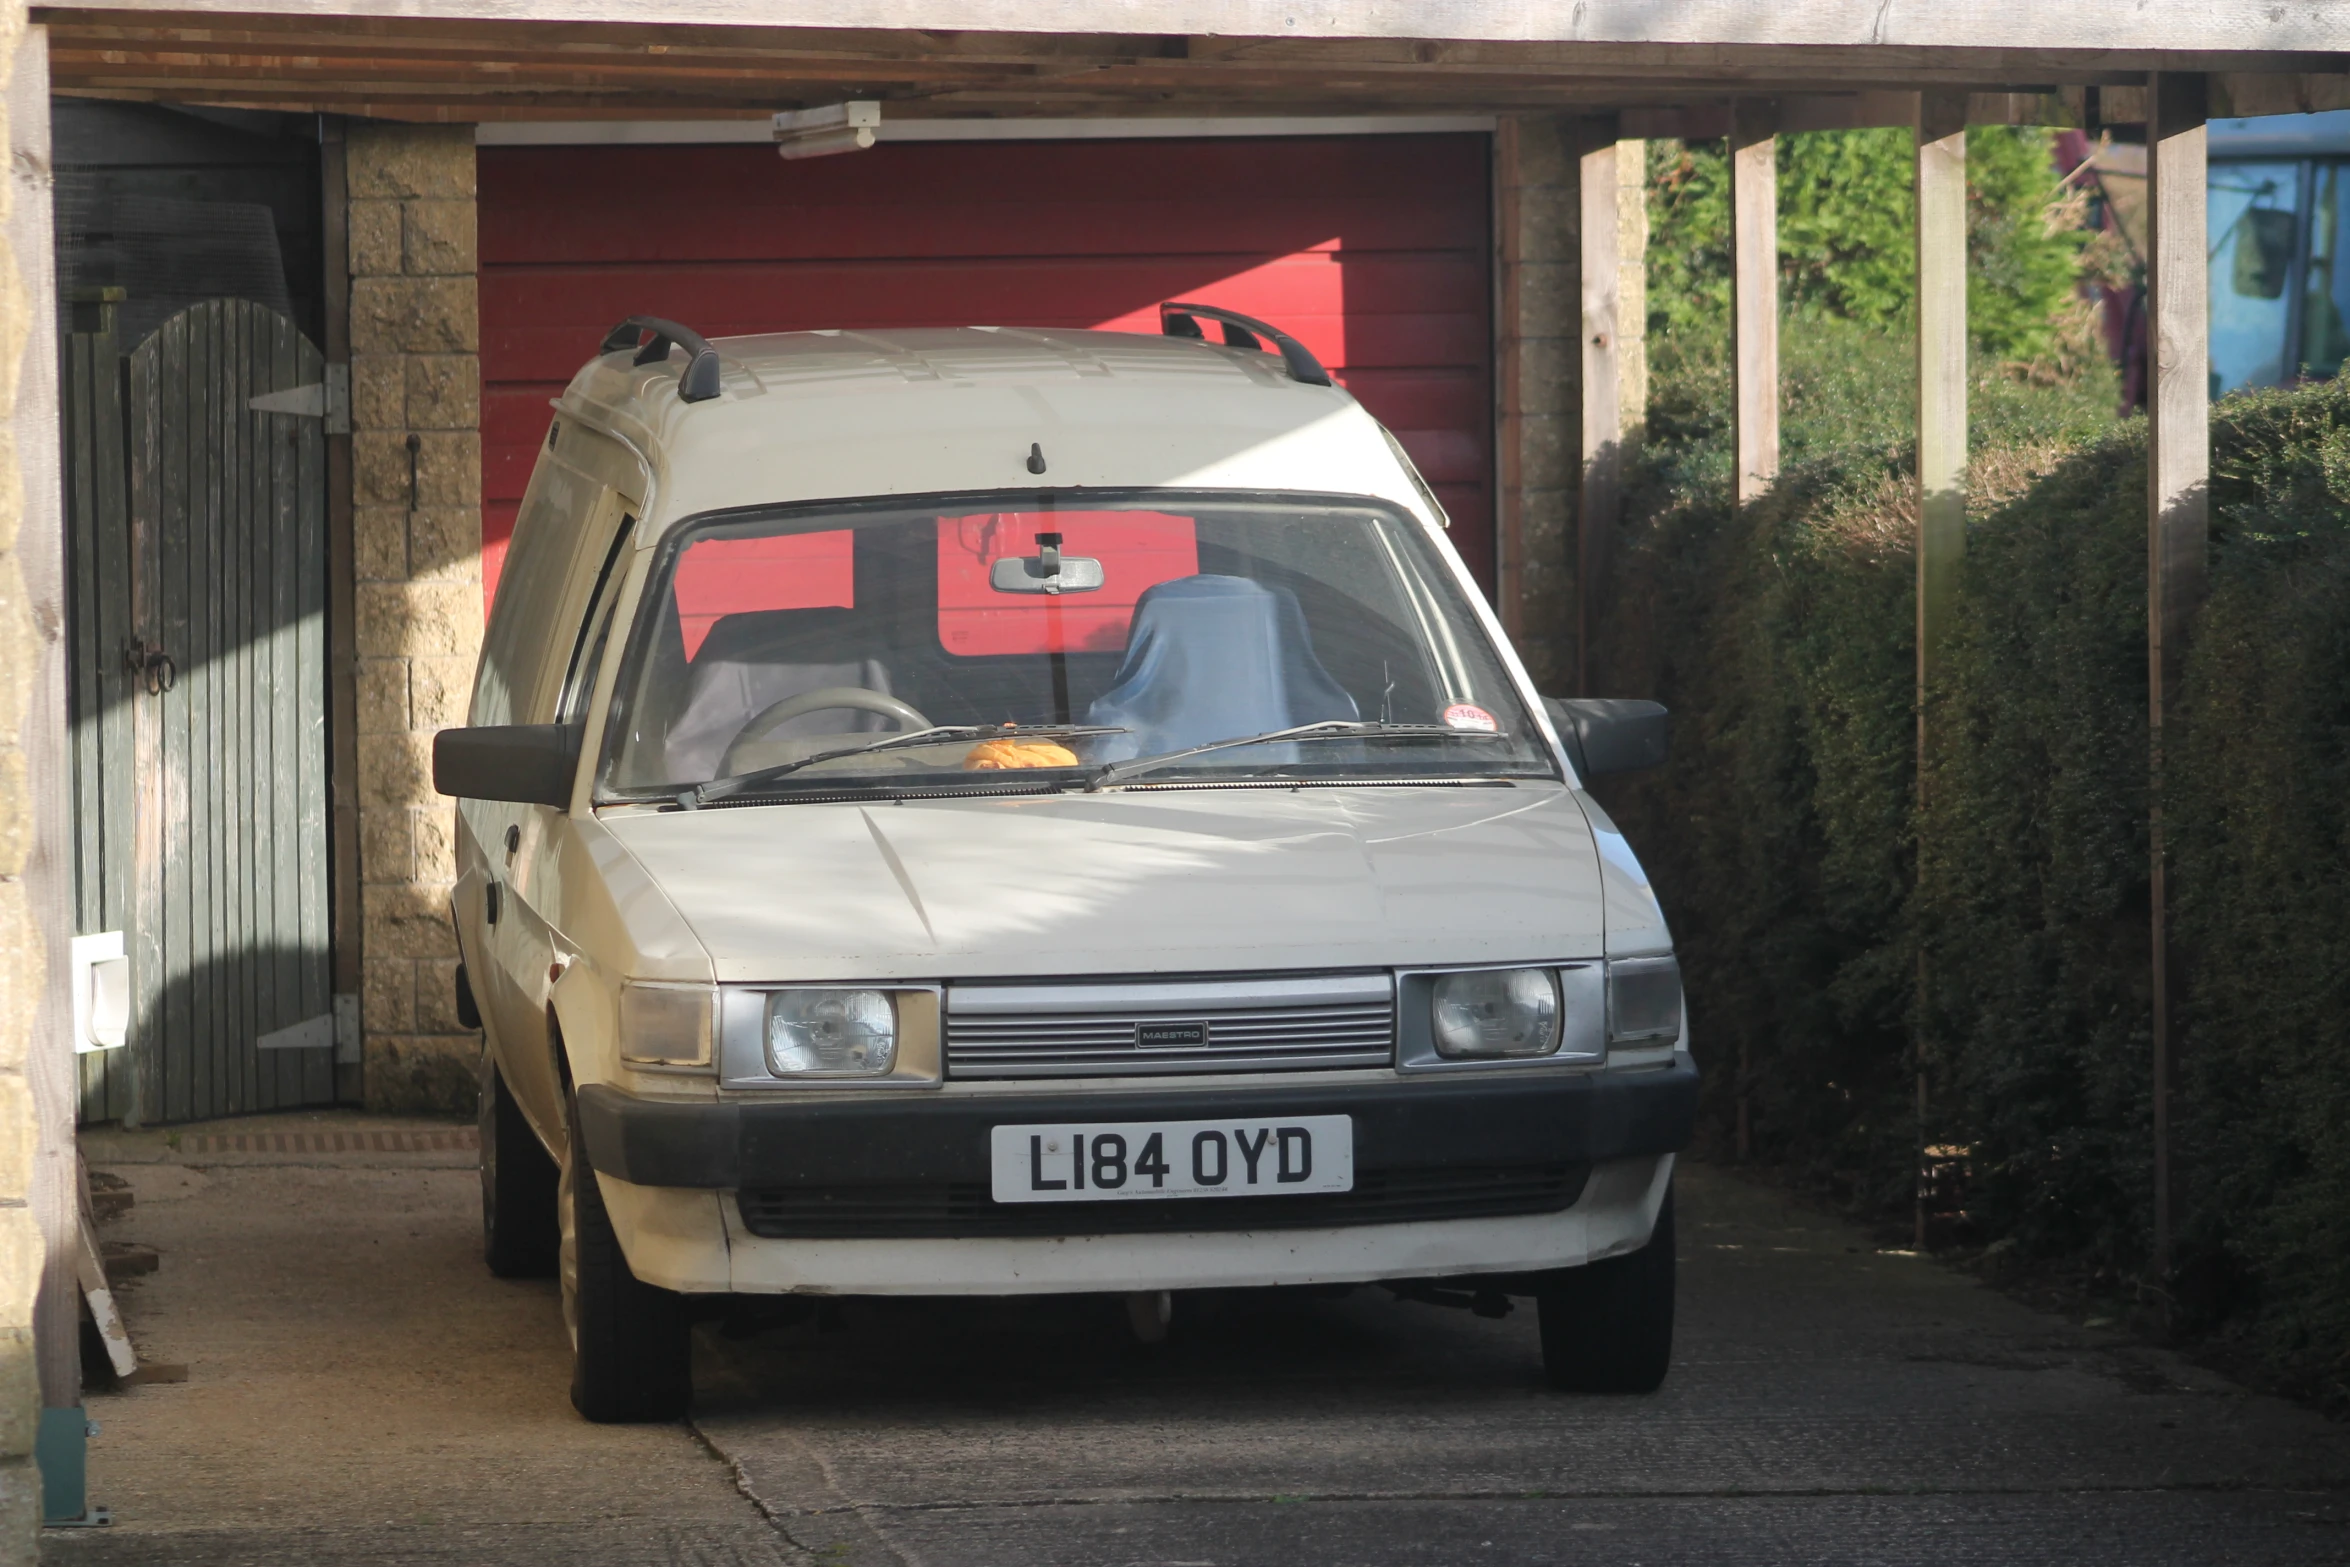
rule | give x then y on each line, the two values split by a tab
2260	830
1826	920
1847	225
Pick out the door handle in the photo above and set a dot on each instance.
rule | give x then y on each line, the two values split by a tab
147	663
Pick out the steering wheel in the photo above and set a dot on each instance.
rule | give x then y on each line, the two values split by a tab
776	714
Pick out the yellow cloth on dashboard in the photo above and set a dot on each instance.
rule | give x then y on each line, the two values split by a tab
993	755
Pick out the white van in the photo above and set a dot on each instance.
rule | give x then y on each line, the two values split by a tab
978	812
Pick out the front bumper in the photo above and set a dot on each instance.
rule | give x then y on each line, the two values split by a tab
1419	1123
678	1179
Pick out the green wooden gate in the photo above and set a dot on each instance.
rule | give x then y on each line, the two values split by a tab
197	526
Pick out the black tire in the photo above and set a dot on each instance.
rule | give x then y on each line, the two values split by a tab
631	1343
1607	1327
521	1235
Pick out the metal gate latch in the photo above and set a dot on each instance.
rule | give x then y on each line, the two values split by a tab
149	664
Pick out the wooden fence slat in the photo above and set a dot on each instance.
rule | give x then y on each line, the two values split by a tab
236	570
307	737
109	392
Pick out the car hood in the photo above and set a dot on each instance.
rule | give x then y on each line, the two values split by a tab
1173	881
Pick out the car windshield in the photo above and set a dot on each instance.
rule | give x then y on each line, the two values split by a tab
1037	641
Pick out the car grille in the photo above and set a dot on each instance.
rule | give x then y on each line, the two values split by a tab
1282	1023
964	1209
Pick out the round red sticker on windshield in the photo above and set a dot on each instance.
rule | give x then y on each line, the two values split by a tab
1467	715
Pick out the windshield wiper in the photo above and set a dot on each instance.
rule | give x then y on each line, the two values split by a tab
1329	729
744	783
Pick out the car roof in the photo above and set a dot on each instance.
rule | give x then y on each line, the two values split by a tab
842	413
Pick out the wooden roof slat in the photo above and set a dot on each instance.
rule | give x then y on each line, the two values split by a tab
509	57
766	85
2207	26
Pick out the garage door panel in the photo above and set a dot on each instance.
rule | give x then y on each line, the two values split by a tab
1351	278
1432	168
1347	308
1469	510
1424	399
1373	251
1097	198
975	230
513	423
1381	346
1444	456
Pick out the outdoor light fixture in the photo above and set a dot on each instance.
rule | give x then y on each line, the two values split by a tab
839	127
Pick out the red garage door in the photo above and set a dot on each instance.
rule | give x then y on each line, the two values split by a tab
1372	249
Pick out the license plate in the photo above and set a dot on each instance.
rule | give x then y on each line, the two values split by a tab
1120	1161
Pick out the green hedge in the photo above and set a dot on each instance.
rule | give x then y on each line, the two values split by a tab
2261	828
1826	921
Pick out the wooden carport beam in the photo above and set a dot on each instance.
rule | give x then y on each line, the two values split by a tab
1754	273
2178	505
1599	502
1942	368
1941	120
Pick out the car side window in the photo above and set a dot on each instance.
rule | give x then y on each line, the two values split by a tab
517	651
587	653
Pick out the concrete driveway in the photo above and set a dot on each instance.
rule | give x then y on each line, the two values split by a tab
361	1391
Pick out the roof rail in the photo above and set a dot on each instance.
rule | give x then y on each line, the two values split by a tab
1179	320
700	381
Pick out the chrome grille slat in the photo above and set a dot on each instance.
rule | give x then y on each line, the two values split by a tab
1081	1029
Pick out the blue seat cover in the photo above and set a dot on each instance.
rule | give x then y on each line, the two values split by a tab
1213	658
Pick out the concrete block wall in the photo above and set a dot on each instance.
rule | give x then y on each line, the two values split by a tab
1537	195
415	377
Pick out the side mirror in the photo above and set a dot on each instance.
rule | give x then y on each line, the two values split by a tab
528	764
2265	241
1606	734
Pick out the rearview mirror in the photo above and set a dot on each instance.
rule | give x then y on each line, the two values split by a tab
1606	734
527	764
1047	571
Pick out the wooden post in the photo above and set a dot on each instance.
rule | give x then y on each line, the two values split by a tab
1599	502
2178	506
1536	212
1754	227
48	875
1754	287
1632	291
1942	366
1942	431
1509	512
342	600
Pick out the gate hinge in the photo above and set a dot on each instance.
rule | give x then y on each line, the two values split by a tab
329	400
346	1030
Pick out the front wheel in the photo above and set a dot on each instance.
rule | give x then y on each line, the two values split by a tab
1607	1327
631	1343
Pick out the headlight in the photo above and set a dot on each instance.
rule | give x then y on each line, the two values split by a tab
665	1025
1496	1012
1643	1003
831	1033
